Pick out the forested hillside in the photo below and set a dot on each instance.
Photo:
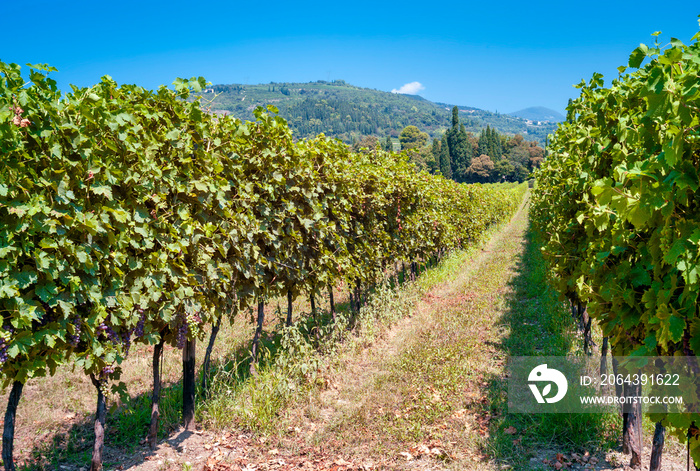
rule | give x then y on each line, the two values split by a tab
341	110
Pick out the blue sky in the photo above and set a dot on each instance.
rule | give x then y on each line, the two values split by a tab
501	56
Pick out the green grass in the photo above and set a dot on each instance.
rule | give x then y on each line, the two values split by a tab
539	323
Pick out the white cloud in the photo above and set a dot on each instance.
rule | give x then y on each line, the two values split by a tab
410	88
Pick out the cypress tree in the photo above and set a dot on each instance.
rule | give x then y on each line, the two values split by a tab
495	149
388	145
484	141
445	162
459	148
460	154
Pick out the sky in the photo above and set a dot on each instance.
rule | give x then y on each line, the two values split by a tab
499	56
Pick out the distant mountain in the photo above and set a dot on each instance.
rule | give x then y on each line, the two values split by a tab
539	113
341	110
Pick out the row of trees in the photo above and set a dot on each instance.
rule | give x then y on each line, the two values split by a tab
618	208
131	216
467	158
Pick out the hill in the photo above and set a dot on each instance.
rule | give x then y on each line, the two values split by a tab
345	111
539	113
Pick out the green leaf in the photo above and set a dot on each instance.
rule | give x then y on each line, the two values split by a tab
638	216
638	56
673	150
25	278
677	248
47	291
64	190
676	328
13	350
105	191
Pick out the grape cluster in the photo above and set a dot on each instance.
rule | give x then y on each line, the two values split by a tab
104	378
190	324
182	331
18	120
3	350
109	332
4	340
75	338
126	341
139	329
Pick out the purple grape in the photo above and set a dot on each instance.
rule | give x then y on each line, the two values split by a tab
138	331
3	351
75	338
182	331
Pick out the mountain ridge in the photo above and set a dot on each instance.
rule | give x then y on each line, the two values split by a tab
539	113
348	112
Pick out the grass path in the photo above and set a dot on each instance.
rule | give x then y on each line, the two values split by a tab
423	396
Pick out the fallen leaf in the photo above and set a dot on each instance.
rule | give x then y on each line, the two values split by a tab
511	430
420	450
406	455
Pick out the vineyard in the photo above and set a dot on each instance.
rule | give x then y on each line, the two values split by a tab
617	204
131	216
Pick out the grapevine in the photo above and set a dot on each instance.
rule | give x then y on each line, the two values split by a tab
617	205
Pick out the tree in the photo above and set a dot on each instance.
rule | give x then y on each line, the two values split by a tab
481	169
367	143
536	155
494	140
388	144
412	138
504	171
483	143
445	162
520	155
459	148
